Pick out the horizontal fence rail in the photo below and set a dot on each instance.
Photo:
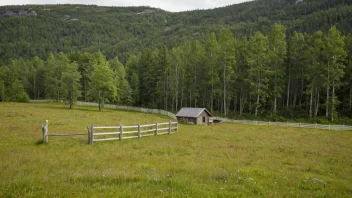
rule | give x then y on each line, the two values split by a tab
108	133
288	124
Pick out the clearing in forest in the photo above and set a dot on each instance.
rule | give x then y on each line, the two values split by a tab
224	160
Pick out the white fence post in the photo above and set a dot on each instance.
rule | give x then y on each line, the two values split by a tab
120	137
88	135
169	126
91	134
139	131
46	138
156	129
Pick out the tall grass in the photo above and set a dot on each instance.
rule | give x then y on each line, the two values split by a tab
224	160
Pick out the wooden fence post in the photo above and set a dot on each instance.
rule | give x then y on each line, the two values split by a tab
169	126
88	135
269	123
176	126
139	131
43	131
156	129
120	132
46	138
91	134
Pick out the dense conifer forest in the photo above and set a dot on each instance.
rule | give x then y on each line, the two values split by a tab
269	59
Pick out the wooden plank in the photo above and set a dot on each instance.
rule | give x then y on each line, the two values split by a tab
74	134
145	131
130	127
163	133
130	137
148	125
106	139
148	135
166	123
162	129
106	127
130	132
107	133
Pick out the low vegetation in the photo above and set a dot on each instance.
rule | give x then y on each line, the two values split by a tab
224	160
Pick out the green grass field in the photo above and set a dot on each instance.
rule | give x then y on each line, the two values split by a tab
225	160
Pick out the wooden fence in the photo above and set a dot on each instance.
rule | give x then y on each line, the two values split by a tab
107	133
45	131
118	132
112	106
288	124
130	108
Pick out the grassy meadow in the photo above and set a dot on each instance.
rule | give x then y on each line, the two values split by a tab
224	160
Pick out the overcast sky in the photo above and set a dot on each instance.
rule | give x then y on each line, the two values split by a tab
169	5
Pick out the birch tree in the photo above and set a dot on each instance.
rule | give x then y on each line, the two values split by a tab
227	59
277	55
258	73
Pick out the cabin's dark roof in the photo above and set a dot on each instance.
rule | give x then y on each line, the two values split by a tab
192	112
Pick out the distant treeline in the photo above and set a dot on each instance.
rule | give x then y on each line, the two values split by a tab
302	75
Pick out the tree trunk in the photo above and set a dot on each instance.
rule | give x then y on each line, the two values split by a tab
99	102
327	94
212	96
288	91
71	100
275	98
241	100
311	103
327	101
350	99
257	105
224	89
34	87
317	103
333	100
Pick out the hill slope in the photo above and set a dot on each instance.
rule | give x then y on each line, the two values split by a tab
125	30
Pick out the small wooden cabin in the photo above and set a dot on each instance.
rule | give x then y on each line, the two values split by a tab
195	115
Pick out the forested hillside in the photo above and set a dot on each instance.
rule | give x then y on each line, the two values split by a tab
272	58
122	31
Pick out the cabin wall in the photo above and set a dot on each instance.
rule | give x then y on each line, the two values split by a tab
187	120
201	116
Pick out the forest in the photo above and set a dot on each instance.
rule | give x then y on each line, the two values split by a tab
238	61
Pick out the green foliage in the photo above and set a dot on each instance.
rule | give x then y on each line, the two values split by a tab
124	30
70	83
286	59
102	85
